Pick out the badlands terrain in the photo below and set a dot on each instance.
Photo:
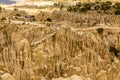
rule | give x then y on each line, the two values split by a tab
60	41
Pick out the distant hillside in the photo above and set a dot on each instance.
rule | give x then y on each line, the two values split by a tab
75	0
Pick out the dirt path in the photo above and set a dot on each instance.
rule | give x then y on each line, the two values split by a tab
35	23
32	11
93	28
44	37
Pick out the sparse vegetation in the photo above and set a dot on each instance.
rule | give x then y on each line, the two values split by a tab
80	7
114	50
100	30
112	60
23	23
116	8
18	14
34	19
3	18
55	4
102	7
0	8
61	44
15	9
59	5
49	19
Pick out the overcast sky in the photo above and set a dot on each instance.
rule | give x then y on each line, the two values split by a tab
15	0
9	1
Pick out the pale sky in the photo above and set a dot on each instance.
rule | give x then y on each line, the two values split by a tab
15	0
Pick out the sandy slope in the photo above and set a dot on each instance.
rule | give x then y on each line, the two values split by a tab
41	3
30	10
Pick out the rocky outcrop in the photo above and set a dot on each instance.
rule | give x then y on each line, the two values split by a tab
102	75
74	77
71	52
6	76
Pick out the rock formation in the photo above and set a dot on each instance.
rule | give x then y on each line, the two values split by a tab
61	50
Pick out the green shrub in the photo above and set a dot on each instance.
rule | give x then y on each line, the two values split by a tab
80	7
69	8
95	6
87	6
79	4
0	8
83	10
100	30
116	8
117	12
15	9
49	19
55	5
23	23
106	5
114	50
59	5
112	60
3	18
34	19
18	14
116	5
109	3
